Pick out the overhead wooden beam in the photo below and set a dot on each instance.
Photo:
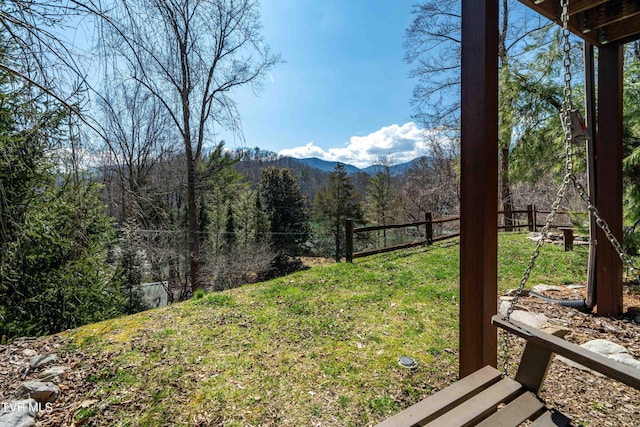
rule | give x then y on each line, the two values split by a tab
577	6
610	13
608	192
621	32
550	10
596	21
479	185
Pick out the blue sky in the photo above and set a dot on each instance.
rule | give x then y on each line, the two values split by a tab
343	92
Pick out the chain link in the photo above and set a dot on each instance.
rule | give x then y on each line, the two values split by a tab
593	210
536	252
569	177
567	106
505	349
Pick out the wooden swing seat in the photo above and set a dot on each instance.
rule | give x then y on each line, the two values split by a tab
485	398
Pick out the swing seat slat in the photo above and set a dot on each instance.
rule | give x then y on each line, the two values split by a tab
484	398
606	366
445	400
480	406
551	418
516	412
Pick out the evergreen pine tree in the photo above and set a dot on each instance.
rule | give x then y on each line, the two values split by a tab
286	210
53	230
230	229
335	204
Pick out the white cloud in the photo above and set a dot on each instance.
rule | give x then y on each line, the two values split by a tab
305	151
401	143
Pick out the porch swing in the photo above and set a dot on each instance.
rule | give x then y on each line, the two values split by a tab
488	397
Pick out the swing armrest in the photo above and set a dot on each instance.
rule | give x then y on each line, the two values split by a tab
609	367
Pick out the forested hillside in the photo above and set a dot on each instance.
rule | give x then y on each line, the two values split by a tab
113	172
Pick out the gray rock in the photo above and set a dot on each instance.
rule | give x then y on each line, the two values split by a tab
19	413
42	359
505	304
529	318
544	288
608	349
612	351
53	374
29	352
534	236
39	391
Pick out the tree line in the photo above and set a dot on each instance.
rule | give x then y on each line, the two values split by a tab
531	86
112	180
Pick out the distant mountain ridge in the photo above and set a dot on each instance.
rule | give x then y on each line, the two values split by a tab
329	166
313	173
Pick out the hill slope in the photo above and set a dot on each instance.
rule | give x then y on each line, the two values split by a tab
319	347
311	348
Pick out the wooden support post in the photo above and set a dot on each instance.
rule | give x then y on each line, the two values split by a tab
428	234
534	365
590	117
479	185
608	169
567	238
348	231
531	217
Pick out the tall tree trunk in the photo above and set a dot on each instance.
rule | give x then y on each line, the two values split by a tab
194	242
505	188
505	143
192	206
338	238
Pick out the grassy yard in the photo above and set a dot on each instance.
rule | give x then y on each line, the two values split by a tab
319	347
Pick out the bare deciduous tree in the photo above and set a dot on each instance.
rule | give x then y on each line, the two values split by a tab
433	43
432	183
43	54
137	139
190	55
382	196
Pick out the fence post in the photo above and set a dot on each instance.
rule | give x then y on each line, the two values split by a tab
428	224
348	228
531	217
567	238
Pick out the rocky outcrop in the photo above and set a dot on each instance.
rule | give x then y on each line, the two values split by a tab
30	396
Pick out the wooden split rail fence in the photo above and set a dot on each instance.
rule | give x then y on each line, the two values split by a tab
512	220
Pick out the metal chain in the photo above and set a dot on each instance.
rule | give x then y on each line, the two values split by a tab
566	119
536	252
567	106
505	351
569	177
593	210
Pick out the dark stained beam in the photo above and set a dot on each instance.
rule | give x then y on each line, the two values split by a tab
608	192
577	6
596	21
621	32
479	183
550	9
610	13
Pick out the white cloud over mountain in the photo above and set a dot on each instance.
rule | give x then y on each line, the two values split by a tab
401	143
